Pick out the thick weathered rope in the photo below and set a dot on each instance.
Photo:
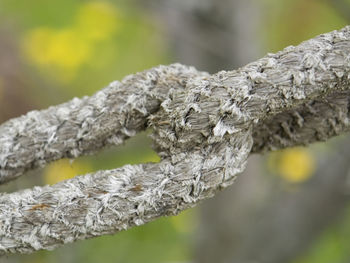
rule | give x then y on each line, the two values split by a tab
205	126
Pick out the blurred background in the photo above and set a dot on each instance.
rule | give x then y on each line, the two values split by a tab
289	206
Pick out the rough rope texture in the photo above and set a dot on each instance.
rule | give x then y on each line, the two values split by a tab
205	126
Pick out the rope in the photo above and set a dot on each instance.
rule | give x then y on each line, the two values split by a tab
204	128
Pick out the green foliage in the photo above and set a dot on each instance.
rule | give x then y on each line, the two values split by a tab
290	22
155	242
332	246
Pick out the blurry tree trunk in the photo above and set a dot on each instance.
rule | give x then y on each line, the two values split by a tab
265	222
14	81
212	35
257	221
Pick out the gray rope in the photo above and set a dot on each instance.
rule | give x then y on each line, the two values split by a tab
205	126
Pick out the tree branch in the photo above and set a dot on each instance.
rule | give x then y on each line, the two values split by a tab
205	126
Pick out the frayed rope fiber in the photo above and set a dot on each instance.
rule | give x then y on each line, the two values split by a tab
204	128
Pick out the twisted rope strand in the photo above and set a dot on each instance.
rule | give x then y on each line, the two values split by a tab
205	126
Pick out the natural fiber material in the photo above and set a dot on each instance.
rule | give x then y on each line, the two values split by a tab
205	126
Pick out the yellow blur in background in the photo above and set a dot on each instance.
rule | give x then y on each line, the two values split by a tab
66	49
295	165
64	169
